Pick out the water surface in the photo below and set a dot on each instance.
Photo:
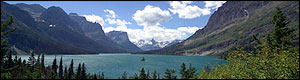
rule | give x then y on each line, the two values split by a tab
114	65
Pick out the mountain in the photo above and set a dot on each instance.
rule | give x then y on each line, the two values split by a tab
122	39
94	31
173	42
35	10
233	24
54	33
154	45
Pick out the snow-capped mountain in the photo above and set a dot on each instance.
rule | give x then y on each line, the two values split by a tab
153	45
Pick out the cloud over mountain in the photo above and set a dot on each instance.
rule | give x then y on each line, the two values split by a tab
185	10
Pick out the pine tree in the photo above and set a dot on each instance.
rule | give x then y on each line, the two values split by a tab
4	41
102	75
78	74
16	60
95	76
142	74
43	60
54	65
167	74
83	72
282	35
148	75
154	75
207	68
61	68
19	61
71	72
24	62
10	60
158	77
183	71
66	73
31	59
191	72
38	60
124	75
135	76
170	74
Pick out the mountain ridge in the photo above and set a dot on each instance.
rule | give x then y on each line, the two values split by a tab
231	25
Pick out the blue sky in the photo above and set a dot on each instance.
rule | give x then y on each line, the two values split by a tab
161	20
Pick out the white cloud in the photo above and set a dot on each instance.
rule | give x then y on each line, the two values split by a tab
214	4
190	30
112	14
186	11
151	16
158	33
117	21
94	18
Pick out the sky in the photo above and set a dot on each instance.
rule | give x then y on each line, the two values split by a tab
142	20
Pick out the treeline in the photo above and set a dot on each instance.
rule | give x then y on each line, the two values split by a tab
273	58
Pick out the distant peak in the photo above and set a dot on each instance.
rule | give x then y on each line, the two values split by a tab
73	14
119	32
54	7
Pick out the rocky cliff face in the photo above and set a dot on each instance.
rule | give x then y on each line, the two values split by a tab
94	31
35	10
55	32
231	25
122	39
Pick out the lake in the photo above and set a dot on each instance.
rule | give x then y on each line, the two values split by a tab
114	65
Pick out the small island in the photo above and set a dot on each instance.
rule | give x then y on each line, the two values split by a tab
143	59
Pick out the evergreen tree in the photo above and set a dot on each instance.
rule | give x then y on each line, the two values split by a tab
4	41
10	60
142	74
170	74
71	72
83	72
135	76
282	35
38	60
19	61
154	75
207	68
78	74
183	71
102	75
191	72
124	75
61	68
95	76
24	62
66	73
158	76
43	60
54	65
31	59
16	60
148	75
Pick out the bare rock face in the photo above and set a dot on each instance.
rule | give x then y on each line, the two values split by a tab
122	39
35	10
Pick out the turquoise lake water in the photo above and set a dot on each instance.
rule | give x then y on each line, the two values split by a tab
114	65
